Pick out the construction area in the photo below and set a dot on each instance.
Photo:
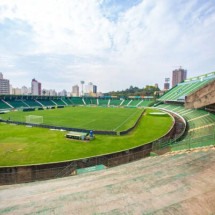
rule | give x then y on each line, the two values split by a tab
181	182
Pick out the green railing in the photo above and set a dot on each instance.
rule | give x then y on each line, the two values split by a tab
186	144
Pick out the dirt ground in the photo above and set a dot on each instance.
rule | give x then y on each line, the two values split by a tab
181	183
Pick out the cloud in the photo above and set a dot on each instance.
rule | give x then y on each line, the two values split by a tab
113	44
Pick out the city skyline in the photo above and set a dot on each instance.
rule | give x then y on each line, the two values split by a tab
36	88
113	43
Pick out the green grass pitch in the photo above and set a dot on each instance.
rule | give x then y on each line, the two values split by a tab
92	118
20	145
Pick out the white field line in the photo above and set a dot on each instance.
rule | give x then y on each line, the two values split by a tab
84	124
125	121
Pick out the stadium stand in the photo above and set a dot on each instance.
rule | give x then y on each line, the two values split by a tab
115	102
194	92
94	101
145	103
67	100
3	105
126	102
103	102
201	123
180	91
133	103
90	101
181	183
32	103
87	101
76	101
46	102
8	102
16	103
58	101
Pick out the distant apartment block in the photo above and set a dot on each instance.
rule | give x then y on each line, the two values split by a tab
25	90
16	91
62	93
50	92
91	90
178	75
166	86
75	90
4	85
36	88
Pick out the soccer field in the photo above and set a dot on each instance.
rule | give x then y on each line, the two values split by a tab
21	145
92	118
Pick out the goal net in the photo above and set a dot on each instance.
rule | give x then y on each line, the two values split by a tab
34	119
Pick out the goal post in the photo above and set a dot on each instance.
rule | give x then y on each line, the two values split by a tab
34	119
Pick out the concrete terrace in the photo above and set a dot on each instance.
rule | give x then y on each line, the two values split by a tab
175	183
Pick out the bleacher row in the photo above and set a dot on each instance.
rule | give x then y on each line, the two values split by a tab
187	87
8	103
201	123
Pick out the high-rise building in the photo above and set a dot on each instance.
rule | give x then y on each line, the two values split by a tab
166	84
91	89
4	85
75	90
94	89
35	87
178	75
24	90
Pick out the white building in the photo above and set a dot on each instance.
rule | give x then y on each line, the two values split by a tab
62	93
52	93
11	89
75	90
49	92
16	91
24	90
91	90
4	85
35	88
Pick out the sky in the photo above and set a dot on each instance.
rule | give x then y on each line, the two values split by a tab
114	44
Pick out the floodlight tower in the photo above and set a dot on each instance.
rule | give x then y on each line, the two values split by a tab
82	84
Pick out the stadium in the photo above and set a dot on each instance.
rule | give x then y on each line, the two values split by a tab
134	140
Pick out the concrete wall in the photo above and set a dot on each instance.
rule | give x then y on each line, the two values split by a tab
22	174
203	97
